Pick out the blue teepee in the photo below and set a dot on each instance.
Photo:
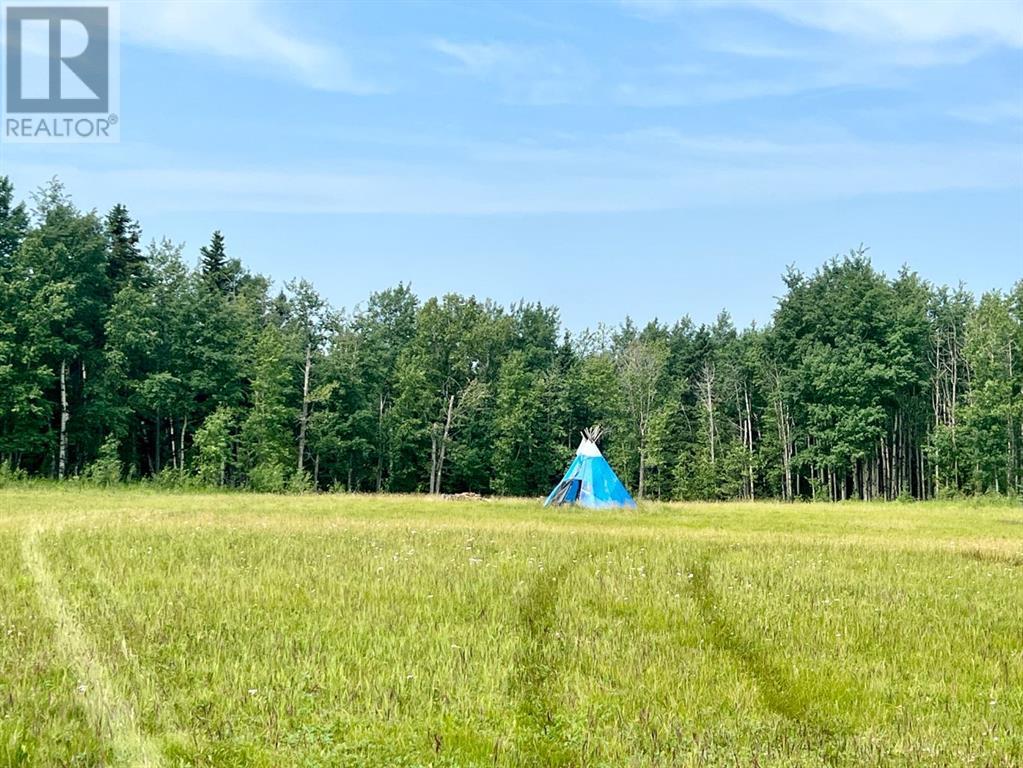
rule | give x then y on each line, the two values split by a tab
590	481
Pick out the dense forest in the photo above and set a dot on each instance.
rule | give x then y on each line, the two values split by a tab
119	360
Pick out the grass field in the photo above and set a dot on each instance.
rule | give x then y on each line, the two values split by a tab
239	630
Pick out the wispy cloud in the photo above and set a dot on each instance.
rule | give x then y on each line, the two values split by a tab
246	31
994	21
481	59
913	21
531	74
643	170
1006	110
813	73
818	46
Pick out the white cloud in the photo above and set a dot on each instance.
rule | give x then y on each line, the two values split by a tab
654	7
480	59
1007	110
245	31
877	44
525	74
917	21
912	21
653	169
820	74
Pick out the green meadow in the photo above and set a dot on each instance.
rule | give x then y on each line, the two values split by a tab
149	629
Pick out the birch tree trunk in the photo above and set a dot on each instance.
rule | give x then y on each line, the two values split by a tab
706	386
156	447
1010	432
642	468
749	437
181	451
433	459
785	438
444	443
305	408
173	444
65	416
380	445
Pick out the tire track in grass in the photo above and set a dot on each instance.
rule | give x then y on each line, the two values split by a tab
987	556
538	722
778	690
107	709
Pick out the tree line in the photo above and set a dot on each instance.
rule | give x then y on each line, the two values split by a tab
122	361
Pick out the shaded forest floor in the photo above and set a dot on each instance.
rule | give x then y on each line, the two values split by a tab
139	628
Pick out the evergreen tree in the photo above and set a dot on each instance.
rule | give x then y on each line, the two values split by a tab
214	264
126	264
22	376
13	224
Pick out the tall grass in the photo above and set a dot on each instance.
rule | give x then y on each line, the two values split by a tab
244	630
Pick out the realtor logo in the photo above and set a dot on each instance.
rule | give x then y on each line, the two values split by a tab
61	73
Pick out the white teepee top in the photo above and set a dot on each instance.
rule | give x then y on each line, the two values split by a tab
588	446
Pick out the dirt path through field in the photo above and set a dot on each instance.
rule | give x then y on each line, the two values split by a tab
107	709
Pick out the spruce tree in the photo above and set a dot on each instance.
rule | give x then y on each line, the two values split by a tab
125	262
13	222
214	263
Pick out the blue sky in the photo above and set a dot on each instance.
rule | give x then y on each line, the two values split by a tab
634	158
